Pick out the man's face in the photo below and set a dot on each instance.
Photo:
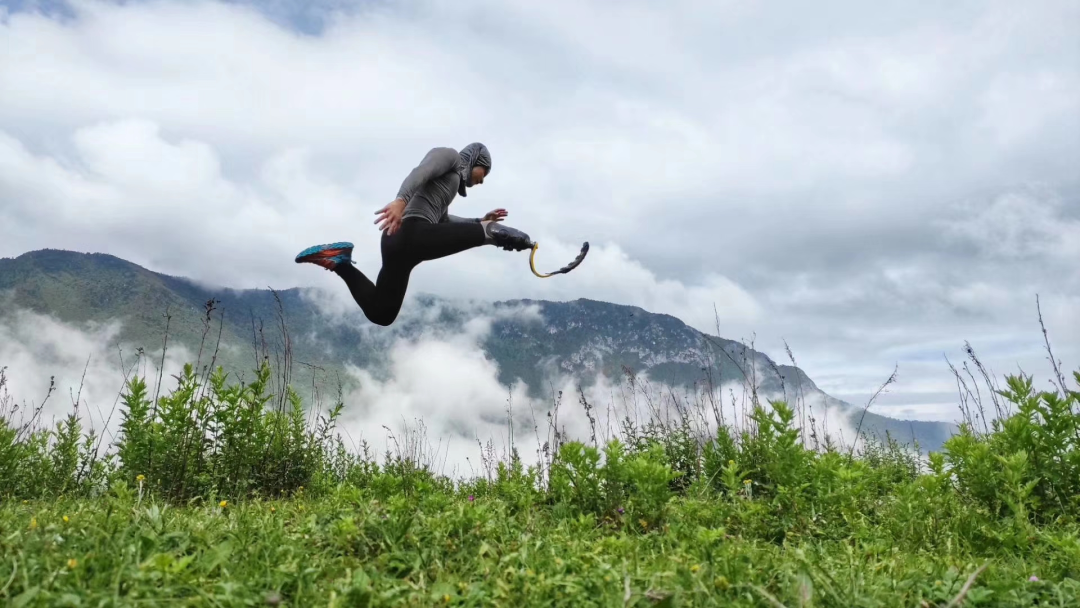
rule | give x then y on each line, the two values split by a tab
476	177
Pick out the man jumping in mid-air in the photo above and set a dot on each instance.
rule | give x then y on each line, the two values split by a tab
417	227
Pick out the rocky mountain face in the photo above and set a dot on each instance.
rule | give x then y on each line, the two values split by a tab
529	341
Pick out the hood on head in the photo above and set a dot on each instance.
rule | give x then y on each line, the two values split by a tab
472	155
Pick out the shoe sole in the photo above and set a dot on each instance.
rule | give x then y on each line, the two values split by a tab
324	251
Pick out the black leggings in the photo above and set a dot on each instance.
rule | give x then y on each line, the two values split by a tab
417	240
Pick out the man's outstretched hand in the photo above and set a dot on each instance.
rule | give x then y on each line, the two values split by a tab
390	216
495	216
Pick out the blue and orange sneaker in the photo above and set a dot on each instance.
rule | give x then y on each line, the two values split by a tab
327	256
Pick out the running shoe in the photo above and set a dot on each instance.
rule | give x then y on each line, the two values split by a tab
327	256
508	238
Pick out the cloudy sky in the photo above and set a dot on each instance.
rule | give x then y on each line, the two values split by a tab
874	183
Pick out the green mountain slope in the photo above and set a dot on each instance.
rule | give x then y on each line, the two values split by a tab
583	338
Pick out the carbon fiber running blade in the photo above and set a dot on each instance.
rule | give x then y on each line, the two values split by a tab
565	269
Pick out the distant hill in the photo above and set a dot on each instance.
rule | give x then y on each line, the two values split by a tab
582	338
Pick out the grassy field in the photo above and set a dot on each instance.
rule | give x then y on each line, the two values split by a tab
347	549
224	494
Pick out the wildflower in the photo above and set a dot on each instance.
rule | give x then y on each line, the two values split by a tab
471	497
621	511
644	524
446	598
140	478
746	482
33	523
66	520
72	563
731	463
223	504
695	568
1033	579
273	510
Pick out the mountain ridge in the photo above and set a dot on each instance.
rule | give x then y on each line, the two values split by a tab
583	338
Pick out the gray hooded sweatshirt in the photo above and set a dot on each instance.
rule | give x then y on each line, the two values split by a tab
441	175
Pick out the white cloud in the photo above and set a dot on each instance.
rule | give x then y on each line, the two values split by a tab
1020	225
448	385
792	166
439	394
261	225
84	364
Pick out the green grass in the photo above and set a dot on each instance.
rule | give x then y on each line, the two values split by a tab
227	494
348	549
